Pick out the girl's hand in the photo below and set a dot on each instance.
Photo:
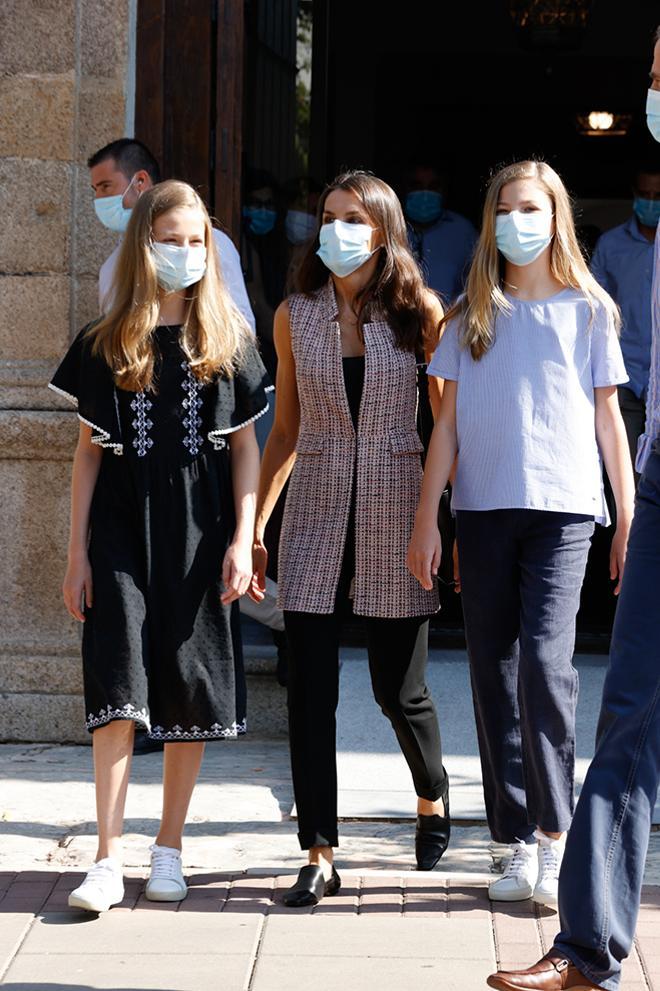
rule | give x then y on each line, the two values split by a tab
618	552
424	554
257	589
77	583
236	571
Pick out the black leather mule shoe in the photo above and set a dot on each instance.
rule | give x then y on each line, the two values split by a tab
311	887
432	837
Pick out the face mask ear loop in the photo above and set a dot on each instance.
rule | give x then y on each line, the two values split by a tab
124	207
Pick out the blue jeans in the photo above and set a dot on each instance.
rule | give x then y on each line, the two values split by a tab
521	575
601	877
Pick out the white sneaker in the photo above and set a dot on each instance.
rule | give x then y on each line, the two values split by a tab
519	877
165	882
550	856
103	887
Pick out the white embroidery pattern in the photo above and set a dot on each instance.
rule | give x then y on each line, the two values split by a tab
193	402
142	424
127	711
217	732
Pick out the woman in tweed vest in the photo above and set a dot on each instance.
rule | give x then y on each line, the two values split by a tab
345	431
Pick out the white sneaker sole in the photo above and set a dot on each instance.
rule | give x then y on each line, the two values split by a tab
522	895
542	898
164	896
91	904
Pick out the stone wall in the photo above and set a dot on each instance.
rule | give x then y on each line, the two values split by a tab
65	90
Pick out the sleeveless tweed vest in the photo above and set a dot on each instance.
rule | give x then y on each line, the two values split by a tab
382	458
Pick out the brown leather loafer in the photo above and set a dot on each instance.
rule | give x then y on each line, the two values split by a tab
552	973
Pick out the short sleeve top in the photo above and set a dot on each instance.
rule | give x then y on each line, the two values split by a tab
179	418
525	412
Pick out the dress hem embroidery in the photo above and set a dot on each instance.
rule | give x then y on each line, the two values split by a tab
102	437
141	716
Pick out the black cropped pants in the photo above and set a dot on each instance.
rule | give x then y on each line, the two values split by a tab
398	651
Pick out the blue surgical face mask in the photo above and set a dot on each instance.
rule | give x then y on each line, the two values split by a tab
647	211
299	226
522	237
653	113
178	266
111	211
344	247
261	219
423	206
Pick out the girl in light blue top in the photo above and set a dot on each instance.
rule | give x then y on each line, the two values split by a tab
531	361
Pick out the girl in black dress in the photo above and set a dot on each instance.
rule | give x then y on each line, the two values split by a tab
167	387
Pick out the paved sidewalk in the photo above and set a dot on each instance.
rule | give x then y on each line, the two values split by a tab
389	928
383	931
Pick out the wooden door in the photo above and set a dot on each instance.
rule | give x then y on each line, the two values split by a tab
189	72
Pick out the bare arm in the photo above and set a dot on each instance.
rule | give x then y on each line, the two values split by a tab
434	314
611	437
237	564
279	454
78	577
425	550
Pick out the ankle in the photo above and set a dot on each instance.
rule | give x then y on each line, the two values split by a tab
172	842
112	851
426	808
323	857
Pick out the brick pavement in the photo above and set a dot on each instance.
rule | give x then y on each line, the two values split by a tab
233	932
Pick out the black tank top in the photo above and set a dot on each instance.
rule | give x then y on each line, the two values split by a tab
354	383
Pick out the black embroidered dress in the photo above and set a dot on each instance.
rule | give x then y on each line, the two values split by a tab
157	645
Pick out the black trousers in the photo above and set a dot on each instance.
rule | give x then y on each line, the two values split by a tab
398	651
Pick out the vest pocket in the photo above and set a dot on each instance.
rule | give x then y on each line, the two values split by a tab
310	444
405	442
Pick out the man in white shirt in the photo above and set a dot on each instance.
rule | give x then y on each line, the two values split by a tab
120	172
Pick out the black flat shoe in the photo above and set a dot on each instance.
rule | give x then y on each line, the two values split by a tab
432	837
311	887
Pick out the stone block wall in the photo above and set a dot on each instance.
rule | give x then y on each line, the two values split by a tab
64	91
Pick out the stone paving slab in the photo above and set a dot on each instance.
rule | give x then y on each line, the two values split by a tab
128	972
369	972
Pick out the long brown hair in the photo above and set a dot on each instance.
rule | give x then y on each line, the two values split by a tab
214	331
484	297
396	288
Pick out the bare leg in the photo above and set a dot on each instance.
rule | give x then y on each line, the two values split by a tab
426	808
113	749
181	763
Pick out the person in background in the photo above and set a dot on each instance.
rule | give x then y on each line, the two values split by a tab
264	254
600	886
623	264
302	196
119	173
441	240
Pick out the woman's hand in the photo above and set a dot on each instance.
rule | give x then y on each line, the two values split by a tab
618	552
236	571
457	570
257	589
77	583
424	554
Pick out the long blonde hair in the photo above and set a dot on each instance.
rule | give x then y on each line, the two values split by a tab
483	295
214	331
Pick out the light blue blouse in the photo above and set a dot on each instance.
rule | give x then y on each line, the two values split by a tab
525	411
